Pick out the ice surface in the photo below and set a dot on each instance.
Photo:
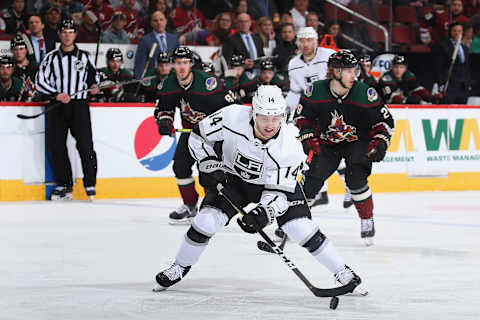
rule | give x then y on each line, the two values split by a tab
98	260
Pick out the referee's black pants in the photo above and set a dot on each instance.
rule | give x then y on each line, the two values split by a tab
75	116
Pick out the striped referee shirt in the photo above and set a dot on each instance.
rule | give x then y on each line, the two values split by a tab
66	72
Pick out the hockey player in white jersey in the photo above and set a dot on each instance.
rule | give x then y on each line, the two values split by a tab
254	154
303	69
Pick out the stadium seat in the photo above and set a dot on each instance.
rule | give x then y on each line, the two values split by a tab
334	13
420	48
362	9
403	34
383	13
406	14
422	11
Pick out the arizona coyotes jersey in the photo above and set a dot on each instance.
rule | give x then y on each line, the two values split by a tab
205	95
337	120
274	164
302	73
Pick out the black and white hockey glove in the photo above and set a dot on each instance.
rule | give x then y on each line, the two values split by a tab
257	218
211	173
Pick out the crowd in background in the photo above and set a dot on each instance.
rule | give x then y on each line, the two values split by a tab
253	28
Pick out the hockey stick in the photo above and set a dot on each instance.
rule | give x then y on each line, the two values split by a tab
100	87
450	69
265	246
318	292
150	56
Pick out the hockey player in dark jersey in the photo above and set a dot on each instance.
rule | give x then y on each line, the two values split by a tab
236	75
10	86
254	155
267	76
197	94
341	118
115	73
365	67
162	71
399	85
24	69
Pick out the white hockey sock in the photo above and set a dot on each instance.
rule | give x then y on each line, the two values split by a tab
189	252
329	257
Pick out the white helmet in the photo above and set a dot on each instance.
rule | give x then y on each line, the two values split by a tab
307	32
268	100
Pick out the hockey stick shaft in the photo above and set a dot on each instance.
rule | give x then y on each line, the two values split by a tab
147	64
452	63
331	292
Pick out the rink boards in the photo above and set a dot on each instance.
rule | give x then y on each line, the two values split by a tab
433	148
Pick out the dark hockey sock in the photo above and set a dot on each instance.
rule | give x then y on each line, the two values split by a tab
189	194
364	208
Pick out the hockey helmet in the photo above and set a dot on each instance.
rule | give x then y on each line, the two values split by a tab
365	59
114	53
67	25
6	60
17	41
237	60
268	100
208	67
267	64
182	52
163	57
342	59
307	32
398	59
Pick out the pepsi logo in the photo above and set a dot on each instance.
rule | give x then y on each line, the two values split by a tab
154	152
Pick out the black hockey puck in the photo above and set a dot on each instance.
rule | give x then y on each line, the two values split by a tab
334	303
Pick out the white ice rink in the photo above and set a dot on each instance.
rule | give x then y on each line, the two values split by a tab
98	260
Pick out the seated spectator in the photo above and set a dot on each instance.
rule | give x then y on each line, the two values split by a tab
69	7
102	10
286	48
400	86
189	23
52	20
457	12
134	27
313	21
221	30
333	28
15	17
10	86
299	13
40	44
437	20
244	42
115	33
266	33
165	42
51	3
262	8
459	85
87	30
285	18
157	5
242	7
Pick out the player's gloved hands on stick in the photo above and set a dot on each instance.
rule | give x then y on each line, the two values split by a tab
165	127
211	173
377	149
310	142
257	218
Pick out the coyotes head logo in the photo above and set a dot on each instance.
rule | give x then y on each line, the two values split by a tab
339	131
189	114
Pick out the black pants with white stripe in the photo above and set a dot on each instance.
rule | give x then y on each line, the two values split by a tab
76	117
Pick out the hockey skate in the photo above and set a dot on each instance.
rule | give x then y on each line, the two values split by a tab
320	199
170	276
346	276
90	191
61	193
184	214
347	200
367	231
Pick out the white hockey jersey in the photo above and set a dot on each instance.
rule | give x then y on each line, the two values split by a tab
274	164
301	73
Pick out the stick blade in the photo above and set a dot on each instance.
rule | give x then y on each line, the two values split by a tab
22	116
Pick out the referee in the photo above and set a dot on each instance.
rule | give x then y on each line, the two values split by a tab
62	73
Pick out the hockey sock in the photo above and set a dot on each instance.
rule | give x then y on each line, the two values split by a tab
187	190
362	199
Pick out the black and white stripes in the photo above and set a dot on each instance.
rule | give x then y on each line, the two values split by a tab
66	72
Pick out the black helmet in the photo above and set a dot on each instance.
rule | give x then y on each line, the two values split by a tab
6	60
163	57
398	59
237	60
114	53
67	25
365	58
182	53
208	67
18	41
342	59
267	64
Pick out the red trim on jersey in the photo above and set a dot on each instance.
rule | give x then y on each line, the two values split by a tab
363	105
317	101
